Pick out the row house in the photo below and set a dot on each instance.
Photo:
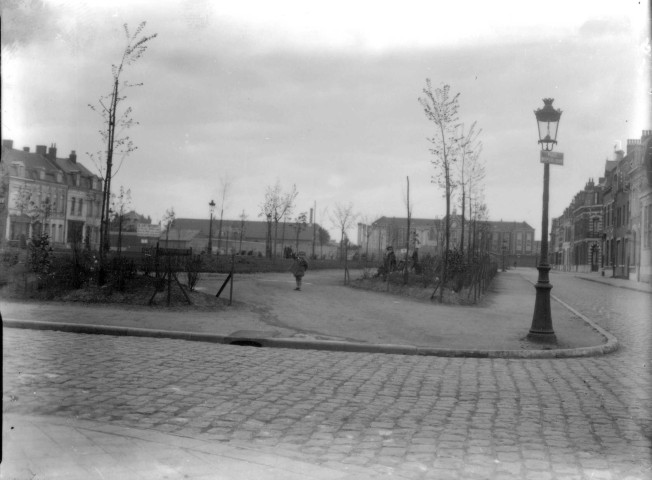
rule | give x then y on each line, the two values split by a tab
41	192
575	236
641	214
628	181
428	236
608	226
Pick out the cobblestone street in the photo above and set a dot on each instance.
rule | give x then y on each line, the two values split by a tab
409	416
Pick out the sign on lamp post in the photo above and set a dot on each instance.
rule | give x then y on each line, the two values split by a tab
554	158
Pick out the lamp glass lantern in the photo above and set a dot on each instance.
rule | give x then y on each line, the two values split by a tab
547	122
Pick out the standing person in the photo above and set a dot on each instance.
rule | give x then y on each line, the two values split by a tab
299	268
390	260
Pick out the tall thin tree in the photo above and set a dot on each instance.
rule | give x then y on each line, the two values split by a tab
344	218
114	123
440	107
468	151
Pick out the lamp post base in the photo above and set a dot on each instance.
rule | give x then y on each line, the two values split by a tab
541	329
542	337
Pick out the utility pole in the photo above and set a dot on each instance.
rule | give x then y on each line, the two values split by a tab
314	228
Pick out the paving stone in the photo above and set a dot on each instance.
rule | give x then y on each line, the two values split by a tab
562	417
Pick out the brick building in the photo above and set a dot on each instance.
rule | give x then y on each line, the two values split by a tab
576	236
608	226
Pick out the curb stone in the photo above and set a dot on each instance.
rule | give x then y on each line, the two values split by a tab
329	345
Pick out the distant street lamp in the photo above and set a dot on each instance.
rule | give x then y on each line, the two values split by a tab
541	329
504	250
211	207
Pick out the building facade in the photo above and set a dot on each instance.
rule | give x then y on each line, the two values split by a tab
250	237
608	225
428	236
576	236
41	192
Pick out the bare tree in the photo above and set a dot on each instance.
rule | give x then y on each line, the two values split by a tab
475	177
468	151
276	207
441	109
267	210
299	225
343	218
225	185
168	222
116	123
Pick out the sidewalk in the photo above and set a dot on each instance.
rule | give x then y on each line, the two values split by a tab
609	280
62	448
329	316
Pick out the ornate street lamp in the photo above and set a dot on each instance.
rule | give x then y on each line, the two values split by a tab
541	329
211	206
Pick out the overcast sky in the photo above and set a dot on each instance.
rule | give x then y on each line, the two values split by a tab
324	95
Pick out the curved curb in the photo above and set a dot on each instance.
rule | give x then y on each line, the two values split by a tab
612	341
328	345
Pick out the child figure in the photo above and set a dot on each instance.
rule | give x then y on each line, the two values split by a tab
299	268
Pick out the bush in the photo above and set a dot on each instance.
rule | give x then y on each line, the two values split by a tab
193	267
75	270
120	270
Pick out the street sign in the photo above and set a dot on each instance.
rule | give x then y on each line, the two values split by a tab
556	158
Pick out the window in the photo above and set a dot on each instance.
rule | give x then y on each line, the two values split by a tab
72	206
79	210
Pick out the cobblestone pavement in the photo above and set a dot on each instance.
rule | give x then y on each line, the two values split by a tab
413	417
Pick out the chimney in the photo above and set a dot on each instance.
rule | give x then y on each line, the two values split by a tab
645	134
8	143
52	153
631	145
73	157
618	155
26	149
42	150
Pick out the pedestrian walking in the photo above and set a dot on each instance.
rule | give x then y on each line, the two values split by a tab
299	268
